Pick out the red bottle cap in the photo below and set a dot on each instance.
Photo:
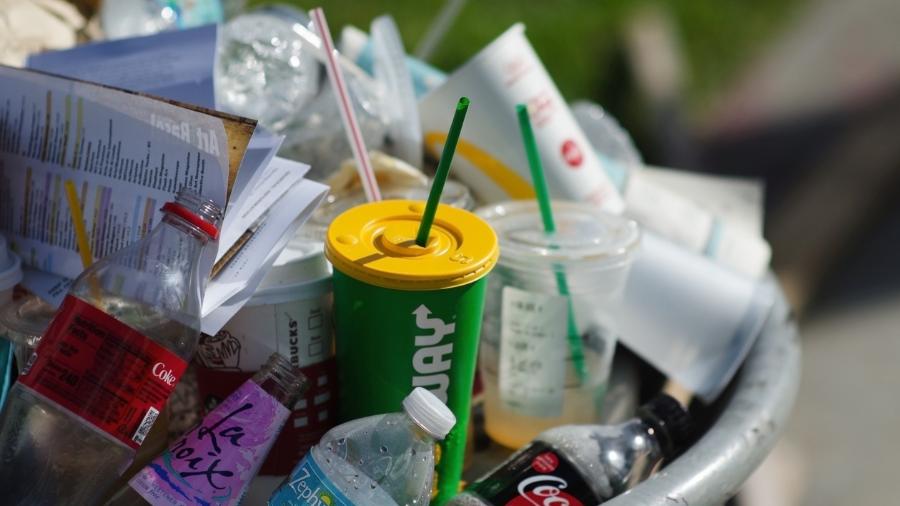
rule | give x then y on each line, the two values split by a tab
194	219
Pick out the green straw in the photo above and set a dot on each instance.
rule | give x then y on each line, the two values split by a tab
443	169
543	198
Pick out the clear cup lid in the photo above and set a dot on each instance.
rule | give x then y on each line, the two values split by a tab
25	320
455	194
585	236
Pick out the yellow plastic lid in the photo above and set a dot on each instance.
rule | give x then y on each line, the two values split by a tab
376	243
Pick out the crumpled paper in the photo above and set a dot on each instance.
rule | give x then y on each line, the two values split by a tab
30	26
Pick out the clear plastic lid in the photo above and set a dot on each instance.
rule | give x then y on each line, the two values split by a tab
25	320
585	236
455	194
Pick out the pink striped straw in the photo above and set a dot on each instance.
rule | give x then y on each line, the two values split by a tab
351	126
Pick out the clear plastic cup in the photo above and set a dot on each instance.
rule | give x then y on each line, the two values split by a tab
532	333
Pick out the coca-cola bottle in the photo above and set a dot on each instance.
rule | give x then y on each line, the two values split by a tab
214	462
105	366
584	465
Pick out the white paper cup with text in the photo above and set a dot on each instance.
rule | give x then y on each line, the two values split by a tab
490	157
290	313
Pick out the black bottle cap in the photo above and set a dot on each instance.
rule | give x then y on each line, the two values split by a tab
671	421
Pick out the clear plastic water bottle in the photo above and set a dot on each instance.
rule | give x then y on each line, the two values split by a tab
584	465
381	460
104	368
131	18
214	462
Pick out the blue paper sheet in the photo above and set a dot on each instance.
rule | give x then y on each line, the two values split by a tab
177	64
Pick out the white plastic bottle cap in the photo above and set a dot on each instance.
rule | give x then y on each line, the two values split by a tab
429	412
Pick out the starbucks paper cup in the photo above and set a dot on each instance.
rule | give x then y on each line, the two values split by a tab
290	314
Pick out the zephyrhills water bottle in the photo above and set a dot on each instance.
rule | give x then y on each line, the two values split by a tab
584	465
381	460
107	363
214	462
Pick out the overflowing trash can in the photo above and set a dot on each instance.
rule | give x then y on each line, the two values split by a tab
234	268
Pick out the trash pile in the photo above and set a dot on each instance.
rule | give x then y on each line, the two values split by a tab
244	260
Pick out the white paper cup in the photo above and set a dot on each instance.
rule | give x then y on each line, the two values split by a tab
290	313
490	156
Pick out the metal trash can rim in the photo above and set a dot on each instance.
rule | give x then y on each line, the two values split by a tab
752	419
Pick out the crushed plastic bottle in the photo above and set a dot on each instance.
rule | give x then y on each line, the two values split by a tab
263	69
102	372
381	460
317	136
266	70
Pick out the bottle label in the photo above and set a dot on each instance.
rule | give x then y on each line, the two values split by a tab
310	417
215	461
308	485
538	475
103	371
533	349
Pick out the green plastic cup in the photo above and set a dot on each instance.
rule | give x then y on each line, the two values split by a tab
408	316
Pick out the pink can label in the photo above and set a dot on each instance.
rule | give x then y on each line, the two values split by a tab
215	461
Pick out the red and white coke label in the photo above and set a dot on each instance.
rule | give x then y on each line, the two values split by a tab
536	476
103	371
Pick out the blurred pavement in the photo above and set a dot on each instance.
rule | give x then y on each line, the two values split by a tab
842	443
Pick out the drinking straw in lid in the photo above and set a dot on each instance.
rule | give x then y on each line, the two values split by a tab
543	199
351	126
443	169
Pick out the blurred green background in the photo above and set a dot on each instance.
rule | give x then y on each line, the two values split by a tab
580	41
